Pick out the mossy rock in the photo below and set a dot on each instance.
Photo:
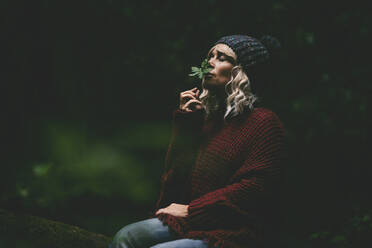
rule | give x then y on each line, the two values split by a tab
32	231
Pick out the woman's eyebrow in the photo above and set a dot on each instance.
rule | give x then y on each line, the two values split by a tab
221	53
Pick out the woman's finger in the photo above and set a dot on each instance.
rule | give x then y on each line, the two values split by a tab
193	101
187	96
197	93
192	91
159	211
187	93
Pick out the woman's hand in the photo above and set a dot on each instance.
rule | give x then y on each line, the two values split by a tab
174	209
189	100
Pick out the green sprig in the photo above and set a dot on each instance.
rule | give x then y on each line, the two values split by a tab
200	72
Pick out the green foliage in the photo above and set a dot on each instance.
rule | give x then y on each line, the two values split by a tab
356	232
112	167
202	71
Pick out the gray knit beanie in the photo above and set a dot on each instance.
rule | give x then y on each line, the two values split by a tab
249	50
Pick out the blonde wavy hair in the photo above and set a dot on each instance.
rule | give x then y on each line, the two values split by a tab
238	89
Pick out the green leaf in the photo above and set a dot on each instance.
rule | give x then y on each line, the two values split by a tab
200	72
315	235
41	169
366	218
338	239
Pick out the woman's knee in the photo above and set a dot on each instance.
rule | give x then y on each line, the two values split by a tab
140	234
184	243
122	238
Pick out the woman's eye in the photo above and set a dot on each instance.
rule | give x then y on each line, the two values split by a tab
221	57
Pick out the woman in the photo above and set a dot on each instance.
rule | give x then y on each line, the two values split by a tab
222	170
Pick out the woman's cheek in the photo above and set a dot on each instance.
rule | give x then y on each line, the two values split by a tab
226	70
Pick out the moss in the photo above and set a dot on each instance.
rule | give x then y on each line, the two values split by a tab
41	232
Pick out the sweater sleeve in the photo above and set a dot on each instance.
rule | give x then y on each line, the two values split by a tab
249	188
180	157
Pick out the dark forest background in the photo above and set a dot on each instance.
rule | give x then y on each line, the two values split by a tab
88	89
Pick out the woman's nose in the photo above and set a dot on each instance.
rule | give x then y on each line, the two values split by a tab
210	62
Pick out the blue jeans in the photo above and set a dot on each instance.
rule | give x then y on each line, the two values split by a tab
152	233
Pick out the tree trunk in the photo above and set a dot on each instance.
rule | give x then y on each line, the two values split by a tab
38	232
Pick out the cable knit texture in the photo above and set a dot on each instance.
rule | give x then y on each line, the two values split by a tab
228	172
249	50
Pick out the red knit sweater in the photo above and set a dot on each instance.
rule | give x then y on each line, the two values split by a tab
228	172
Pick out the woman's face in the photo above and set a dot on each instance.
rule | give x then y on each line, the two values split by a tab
221	59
